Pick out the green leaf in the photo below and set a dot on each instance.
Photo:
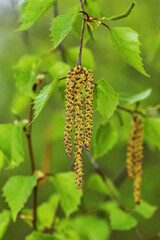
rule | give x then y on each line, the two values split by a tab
33	11
145	209
43	97
87	57
58	124
26	73
92	227
106	138
59	70
121	220
5	218
97	184
135	98
39	236
11	143
107	99
61	26
70	196
17	191
126	41
2	159
46	211
152	131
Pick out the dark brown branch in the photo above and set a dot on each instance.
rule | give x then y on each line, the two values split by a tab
138	234
132	111
120	178
82	35
105	25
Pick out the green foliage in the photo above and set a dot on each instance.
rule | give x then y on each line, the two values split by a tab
135	98
59	69
145	209
11	143
87	57
34	9
70	196
39	236
5	218
107	99
17	191
26	72
58	126
152	131
126	41
46	211
42	98
106	138
61	26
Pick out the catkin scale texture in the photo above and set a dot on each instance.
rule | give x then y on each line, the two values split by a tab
135	155
79	111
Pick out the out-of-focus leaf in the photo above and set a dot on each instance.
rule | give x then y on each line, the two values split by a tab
87	57
152	131
34	9
121	220
70	196
2	159
5	218
61	26
46	211
126	41
17	191
20	102
11	143
26	72
106	138
92	227
58	124
22	8
145	209
135	98
107	99
40	236
43	97
59	70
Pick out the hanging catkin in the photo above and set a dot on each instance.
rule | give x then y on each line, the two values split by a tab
79	86
135	155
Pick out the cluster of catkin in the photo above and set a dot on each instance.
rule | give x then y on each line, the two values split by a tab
79	111
135	155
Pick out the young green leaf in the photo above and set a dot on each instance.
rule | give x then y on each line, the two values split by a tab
87	57
17	191
152	131
46	211
107	99
145	209
34	9
91	227
135	98
11	143
126	41
39	236
61	26
26	73
59	70
42	98
5	218
106	138
70	196
121	220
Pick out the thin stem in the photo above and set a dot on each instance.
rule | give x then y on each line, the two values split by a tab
132	111
105	25
120	178
102	175
154	237
123	15
82	35
54	217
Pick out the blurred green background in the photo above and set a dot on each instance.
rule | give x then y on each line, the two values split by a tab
108	65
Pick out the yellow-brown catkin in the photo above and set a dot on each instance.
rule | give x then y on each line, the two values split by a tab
135	155
88	110
79	112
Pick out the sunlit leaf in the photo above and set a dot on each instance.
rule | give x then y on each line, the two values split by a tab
11	143
5	218
107	99
135	98
59	69
126	41
106	138
145	209
61	26
34	9
70	196
17	191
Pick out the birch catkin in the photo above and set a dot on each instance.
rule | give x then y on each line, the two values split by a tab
135	155
79	86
